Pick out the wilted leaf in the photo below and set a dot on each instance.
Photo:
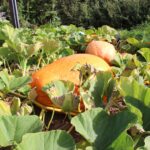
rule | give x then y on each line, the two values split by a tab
4	108
147	144
62	95
25	109
15	105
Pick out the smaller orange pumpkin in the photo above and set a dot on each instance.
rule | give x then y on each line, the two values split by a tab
102	49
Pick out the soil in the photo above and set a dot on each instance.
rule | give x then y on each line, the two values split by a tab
60	121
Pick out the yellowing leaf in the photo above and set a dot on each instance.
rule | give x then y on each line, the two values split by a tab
4	108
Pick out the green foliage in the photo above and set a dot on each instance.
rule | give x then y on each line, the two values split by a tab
10	83
87	13
121	123
96	13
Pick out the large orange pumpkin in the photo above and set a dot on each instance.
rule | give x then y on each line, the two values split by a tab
102	49
61	69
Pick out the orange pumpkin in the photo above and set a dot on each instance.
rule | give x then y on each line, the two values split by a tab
102	49
61	69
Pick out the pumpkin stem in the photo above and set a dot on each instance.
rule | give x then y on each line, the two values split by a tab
50	121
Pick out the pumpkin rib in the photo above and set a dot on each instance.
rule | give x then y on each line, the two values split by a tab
61	69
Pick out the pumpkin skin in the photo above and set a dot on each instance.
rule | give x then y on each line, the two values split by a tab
61	69
101	49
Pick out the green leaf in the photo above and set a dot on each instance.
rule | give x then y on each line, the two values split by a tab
133	41
32	49
24	89
52	140
62	94
105	131
12	128
4	108
147	144
123	142
50	45
130	87
138	95
5	77
145	52
15	105
6	32
19	82
7	53
10	82
143	108
2	84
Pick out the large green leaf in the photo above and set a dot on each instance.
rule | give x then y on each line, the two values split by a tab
147	144
137	95
12	128
105	131
52	140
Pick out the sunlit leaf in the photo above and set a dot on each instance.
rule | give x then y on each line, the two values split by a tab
147	144
145	52
4	108
133	41
6	32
